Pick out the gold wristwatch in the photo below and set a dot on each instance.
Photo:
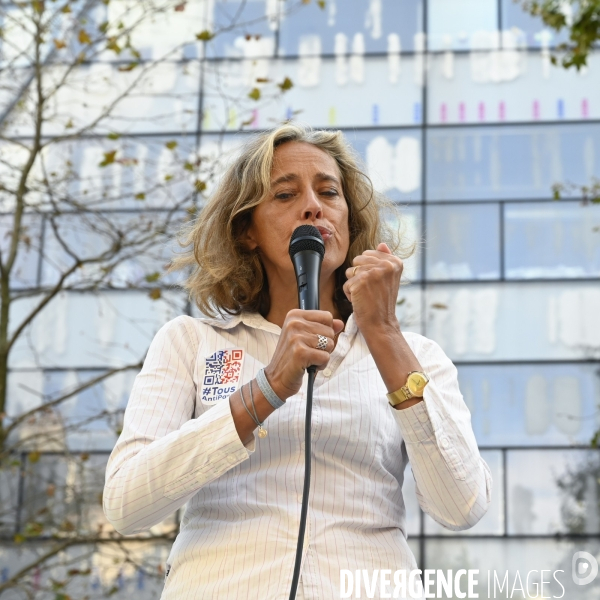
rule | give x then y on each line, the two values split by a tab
413	388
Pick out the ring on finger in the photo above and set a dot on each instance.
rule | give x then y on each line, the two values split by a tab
322	345
354	271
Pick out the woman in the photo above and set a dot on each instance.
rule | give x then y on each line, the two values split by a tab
189	435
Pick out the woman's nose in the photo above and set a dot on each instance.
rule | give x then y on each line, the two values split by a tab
312	208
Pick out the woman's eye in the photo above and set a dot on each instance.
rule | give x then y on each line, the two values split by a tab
329	193
284	195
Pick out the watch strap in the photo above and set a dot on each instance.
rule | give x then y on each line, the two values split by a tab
404	393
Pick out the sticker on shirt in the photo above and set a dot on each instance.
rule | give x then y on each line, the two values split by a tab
221	375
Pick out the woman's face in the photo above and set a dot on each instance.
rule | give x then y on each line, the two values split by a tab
306	189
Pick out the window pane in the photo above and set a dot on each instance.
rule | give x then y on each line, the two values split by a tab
409	224
552	240
521	558
104	329
352	26
508	85
510	162
408	308
393	160
531	30
492	523
518	405
24	273
245	28
89	420
123	570
134	173
462	24
64	493
344	92
553	491
525	321
463	242
9	495
164	99
147	246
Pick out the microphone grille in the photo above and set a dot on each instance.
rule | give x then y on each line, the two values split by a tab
306	237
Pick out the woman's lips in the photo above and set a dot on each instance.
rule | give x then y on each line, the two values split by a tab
325	233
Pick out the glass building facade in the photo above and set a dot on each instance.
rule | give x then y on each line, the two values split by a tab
461	119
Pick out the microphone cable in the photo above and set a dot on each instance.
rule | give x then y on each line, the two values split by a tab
312	371
307	250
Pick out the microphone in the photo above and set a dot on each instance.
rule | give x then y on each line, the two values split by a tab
307	250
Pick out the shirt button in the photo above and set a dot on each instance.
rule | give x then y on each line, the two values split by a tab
231	458
327	372
444	443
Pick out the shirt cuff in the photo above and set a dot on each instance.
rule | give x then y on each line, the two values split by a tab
422	420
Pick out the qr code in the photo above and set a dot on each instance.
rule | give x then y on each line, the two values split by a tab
223	366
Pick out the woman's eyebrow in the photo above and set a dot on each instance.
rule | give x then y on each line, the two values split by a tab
293	177
285	178
327	177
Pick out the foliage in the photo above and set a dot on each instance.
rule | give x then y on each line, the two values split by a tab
580	18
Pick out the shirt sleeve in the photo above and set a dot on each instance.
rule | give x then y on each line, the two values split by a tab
453	482
164	455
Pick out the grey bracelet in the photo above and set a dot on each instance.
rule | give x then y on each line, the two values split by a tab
272	398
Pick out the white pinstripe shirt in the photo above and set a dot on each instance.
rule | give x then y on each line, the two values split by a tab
239	530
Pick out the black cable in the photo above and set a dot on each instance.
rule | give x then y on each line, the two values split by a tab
312	371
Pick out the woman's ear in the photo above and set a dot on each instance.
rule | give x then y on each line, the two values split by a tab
247	239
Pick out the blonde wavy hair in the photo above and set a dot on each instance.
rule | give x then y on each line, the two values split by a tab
224	276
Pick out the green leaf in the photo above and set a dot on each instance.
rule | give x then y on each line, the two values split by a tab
34	456
38	6
34	529
171	145
168	177
155	293
254	94
19	538
109	158
65	9
103	27
113	136
321	4
205	36
84	37
285	85
188	166
199	185
140	196
152	277
112	45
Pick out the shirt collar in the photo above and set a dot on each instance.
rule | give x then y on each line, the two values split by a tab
257	321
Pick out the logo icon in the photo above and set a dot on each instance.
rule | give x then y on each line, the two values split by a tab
584	568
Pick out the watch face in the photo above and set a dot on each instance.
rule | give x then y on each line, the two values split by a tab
416	383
